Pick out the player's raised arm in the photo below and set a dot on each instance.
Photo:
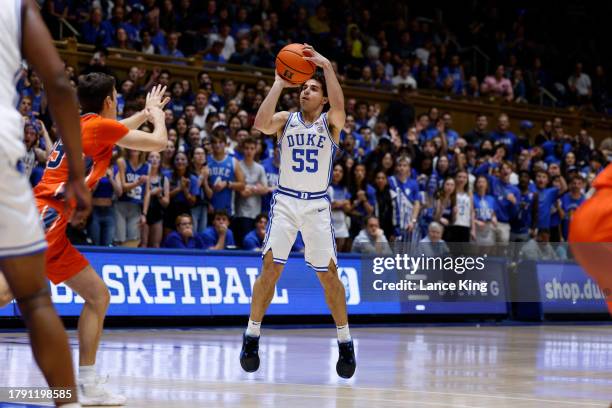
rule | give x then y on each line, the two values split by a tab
40	52
155	141
155	99
266	120
336	114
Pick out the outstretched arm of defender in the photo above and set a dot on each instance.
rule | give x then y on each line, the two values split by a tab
266	120
336	114
155	141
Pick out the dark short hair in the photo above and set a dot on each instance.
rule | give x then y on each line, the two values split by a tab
221	213
218	134
261	217
93	89
248	140
320	78
368	218
177	220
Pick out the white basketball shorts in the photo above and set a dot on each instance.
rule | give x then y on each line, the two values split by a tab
21	231
312	217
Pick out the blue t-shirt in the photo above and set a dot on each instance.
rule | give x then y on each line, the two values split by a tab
485	207
222	171
210	237
547	198
135	195
371	197
251	241
509	139
569	205
174	240
406	195
523	220
194	188
506	211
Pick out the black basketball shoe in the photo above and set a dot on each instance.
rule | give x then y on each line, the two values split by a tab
345	367
249	355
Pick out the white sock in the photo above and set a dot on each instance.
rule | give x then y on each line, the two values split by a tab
253	329
87	373
71	405
344	336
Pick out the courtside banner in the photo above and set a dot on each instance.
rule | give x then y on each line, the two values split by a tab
212	283
566	289
146	282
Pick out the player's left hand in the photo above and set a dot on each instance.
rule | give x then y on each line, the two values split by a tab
311	55
155	98
77	191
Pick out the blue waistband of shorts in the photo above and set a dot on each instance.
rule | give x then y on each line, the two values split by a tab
302	195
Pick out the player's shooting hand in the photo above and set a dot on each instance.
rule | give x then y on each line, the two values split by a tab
283	82
311	55
155	98
77	192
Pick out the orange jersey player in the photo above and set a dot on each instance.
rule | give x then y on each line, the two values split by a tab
100	131
590	234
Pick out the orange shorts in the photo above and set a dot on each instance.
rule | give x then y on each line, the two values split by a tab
63	261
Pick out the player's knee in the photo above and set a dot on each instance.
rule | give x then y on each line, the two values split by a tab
31	302
100	299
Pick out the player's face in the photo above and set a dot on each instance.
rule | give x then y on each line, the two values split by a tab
311	97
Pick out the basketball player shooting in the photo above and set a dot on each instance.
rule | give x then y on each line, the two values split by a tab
308	140
100	131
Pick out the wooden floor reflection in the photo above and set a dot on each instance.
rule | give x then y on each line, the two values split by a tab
457	366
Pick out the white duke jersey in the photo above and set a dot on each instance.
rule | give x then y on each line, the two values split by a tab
306	154
11	128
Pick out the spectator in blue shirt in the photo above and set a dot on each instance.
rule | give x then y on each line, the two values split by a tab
214	55
485	207
523	226
507	196
503	135
183	236
570	201
94	31
455	71
547	198
116	21
171	48
218	236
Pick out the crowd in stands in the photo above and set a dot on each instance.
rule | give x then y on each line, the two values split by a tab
379	44
398	176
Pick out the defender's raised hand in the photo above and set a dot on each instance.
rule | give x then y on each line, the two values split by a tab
155	98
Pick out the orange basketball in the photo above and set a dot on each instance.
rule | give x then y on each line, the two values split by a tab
292	67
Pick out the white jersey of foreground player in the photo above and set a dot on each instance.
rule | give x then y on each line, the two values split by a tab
306	154
11	130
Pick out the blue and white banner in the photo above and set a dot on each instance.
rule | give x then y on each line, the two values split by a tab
145	282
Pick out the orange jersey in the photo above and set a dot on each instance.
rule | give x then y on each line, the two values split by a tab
604	179
98	136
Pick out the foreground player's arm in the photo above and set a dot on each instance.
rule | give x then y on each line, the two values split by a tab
39	50
155	141
155	99
266	120
336	113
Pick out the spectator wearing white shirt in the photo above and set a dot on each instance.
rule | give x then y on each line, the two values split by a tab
203	109
404	78
580	85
